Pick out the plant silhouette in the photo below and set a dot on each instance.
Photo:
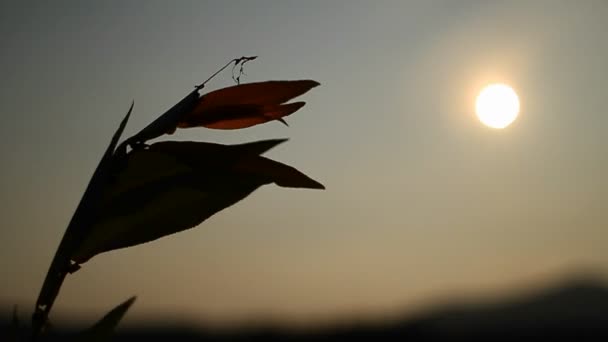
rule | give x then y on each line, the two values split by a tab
103	329
140	193
190	182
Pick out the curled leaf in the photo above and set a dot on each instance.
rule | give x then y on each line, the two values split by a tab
246	105
188	183
243	115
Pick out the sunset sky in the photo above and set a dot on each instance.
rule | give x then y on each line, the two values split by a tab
423	202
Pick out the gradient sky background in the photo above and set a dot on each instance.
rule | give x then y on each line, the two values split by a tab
423	202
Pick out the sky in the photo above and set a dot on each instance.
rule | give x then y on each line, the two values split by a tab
423	202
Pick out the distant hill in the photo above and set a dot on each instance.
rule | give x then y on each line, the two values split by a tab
575	311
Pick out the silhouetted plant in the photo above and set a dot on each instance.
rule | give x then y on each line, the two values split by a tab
140	193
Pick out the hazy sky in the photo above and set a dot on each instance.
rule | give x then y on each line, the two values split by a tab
423	202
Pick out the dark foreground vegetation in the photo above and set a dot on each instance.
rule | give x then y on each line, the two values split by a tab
575	311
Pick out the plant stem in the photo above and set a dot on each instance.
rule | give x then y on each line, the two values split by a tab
76	231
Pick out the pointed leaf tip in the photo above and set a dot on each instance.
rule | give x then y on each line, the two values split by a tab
104	328
190	182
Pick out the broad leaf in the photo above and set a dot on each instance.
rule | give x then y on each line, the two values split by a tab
189	182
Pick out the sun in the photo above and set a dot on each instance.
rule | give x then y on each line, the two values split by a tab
497	105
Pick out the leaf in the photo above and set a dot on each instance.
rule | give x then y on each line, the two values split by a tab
246	105
192	182
278	173
267	92
77	229
242	116
161	161
104	328
234	107
112	147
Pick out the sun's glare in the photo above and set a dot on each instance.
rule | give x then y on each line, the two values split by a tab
497	105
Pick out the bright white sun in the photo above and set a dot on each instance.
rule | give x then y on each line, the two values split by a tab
497	105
